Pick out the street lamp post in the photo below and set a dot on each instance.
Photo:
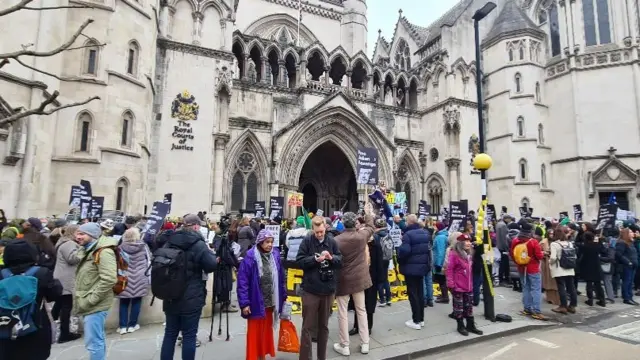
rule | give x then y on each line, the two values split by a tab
483	163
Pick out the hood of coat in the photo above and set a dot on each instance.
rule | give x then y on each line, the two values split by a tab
133	247
443	232
513	233
184	239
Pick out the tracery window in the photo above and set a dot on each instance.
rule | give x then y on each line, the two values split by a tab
403	184
403	55
554	29
244	184
597	27
435	195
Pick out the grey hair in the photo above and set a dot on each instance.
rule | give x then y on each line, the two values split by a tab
459	248
412	219
131	235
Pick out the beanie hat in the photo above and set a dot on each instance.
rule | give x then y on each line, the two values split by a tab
380	223
464	237
525	227
300	221
60	223
349	220
91	229
168	225
35	223
439	226
263	235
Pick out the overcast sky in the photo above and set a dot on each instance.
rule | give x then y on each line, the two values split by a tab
383	14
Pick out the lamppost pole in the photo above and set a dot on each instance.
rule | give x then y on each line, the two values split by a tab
483	166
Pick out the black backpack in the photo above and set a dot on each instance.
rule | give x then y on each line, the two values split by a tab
169	273
568	257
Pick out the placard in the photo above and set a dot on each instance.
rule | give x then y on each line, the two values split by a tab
577	212
396	237
97	205
75	198
168	199
85	199
276	204
564	214
424	209
259	207
607	215
295	199
367	166
155	220
457	215
275	231
490	214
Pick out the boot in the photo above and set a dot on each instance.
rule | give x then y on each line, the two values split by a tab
461	329
560	310
353	331
471	326
442	300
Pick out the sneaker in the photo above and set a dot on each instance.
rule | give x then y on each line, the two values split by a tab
122	331
133	329
539	317
364	348
430	303
342	350
525	312
382	304
388	303
421	323
231	308
411	325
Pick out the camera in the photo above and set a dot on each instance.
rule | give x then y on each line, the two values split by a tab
326	273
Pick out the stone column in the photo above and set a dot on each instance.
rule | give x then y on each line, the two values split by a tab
197	26
422	158
327	79
282	81
576	23
164	21
245	61
349	74
368	85
633	18
220	143
223	31
171	19
453	165
301	74
263	70
394	93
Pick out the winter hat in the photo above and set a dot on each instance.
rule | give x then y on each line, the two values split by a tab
380	223
91	229
60	223
191	219
525	228
300	221
263	235
439	226
35	223
107	224
349	220
168	225
464	237
19	252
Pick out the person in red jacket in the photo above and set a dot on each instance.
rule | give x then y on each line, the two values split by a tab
530	276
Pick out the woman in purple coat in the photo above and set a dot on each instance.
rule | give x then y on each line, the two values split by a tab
261	295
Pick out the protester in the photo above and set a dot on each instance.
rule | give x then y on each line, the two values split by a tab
261	295
33	235
320	258
293	240
65	271
528	257
562	276
95	278
548	282
384	241
137	280
591	271
503	241
246	236
627	257
20	257
440	245
608	263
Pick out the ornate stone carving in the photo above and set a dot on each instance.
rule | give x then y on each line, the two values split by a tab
451	117
452	163
422	158
474	149
433	154
184	107
252	72
224	80
236	69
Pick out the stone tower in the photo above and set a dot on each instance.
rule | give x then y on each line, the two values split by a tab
354	26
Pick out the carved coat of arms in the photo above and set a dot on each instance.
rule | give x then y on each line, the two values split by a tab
184	107
474	149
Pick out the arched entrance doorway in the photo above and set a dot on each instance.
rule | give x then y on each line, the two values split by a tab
328	181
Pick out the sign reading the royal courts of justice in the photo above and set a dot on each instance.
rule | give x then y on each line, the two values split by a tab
184	108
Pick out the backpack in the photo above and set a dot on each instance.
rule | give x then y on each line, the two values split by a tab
169	273
18	307
122	262
387	248
521	254
568	257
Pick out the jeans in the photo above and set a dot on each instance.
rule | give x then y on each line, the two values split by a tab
441	279
504	268
428	287
415	290
531	292
597	287
566	288
477	283
343	319
608	285
129	319
187	325
627	282
94	337
384	289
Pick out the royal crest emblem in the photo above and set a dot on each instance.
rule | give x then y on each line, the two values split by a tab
185	107
474	149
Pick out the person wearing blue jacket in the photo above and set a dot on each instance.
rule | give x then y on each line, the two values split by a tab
414	257
440	244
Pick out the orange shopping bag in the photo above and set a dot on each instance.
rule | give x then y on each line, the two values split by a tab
288	340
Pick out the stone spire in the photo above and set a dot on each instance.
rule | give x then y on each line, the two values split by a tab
512	21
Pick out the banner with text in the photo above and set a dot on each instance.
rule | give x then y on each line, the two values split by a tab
97	205
276	204
607	215
577	212
275	231
457	215
367	166
424	209
168	199
258	208
159	211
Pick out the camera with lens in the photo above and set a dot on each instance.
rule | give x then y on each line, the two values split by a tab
326	273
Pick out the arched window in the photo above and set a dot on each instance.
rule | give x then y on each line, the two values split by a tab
122	192
403	185
523	171
127	129
91	53
403	55
597	28
521	50
542	17
540	134
83	132
510	54
244	185
518	81
520	126
132	58
525	203
538	95
554	29
435	195
543	176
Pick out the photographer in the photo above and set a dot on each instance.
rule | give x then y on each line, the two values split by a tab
320	259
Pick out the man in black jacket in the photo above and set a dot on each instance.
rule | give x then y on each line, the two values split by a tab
320	259
183	315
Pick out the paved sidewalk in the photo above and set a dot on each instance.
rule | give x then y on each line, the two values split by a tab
390	338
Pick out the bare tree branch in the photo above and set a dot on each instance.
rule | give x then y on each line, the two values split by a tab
59	7
14	8
57	50
61	78
41	110
3	63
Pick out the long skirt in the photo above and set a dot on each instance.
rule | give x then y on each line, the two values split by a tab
260	337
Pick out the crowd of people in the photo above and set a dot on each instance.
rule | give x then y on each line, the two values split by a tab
345	259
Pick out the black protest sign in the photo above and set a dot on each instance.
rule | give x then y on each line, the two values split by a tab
503	211
564	214
97	205
276	204
75	198
491	213
168	199
607	216
423	208
525	212
159	211
259	208
85	199
457	215
361	207
577	212
367	166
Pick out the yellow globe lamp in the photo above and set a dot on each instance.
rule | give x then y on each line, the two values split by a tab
482	161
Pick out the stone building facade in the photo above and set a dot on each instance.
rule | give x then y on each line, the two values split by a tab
224	103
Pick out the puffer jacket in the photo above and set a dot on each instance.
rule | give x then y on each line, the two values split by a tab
440	244
414	255
65	269
138	280
292	244
459	273
246	239
513	267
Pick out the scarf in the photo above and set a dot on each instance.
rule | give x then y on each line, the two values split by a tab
274	278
